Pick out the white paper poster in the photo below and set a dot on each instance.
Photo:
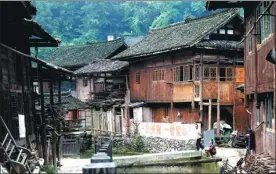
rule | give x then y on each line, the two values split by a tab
22	128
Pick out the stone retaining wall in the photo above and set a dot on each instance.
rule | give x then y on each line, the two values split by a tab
157	144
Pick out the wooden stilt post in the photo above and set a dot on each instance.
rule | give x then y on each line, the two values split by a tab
114	119
193	78
234	93
127	108
43	128
121	121
59	128
54	143
23	77
218	97
100	118
92	121
210	115
201	86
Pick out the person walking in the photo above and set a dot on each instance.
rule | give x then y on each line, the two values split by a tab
198	140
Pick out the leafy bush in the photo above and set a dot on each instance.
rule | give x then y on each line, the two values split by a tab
138	143
49	169
86	142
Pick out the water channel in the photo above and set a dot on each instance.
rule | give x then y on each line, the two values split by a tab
199	168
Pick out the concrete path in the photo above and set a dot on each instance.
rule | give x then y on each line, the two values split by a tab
75	165
71	165
232	154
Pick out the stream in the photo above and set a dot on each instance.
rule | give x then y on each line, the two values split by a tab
199	168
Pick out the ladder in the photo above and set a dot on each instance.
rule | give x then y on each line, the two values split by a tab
16	156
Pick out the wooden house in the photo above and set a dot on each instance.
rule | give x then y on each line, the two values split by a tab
75	57
109	83
25	119
188	71
76	118
259	59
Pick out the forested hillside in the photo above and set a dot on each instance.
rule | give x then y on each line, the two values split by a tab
76	23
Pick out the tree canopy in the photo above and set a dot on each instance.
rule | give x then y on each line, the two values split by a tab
77	23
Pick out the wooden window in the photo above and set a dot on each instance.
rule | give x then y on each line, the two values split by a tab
196	90
222	31
197	72
210	73
206	73
182	73
138	78
158	75
213	73
84	82
230	31
265	24
258	115
186	73
222	73
249	39
229	74
270	117
162	74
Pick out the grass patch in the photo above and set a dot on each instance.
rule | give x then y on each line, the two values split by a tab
49	169
88	153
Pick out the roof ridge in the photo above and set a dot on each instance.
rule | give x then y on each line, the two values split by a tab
89	44
195	19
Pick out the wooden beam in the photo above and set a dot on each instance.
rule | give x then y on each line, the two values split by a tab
43	126
193	75
1	81
23	77
210	115
234	94
201	87
42	44
51	93
127	96
218	99
114	118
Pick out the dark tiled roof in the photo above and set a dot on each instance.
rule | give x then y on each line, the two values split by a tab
38	31
68	101
38	61
82	55
221	44
179	35
104	65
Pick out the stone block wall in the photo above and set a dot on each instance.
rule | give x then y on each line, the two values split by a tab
157	144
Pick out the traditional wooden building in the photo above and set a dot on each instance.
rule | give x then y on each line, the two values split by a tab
109	83
76	118
23	119
75	57
188	71
259	58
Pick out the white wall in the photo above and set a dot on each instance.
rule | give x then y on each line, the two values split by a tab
147	114
84	91
169	130
138	114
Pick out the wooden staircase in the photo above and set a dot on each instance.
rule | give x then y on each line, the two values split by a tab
16	157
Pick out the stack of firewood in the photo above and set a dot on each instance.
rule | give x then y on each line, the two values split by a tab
258	164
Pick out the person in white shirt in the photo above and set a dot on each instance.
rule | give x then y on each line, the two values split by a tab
198	140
